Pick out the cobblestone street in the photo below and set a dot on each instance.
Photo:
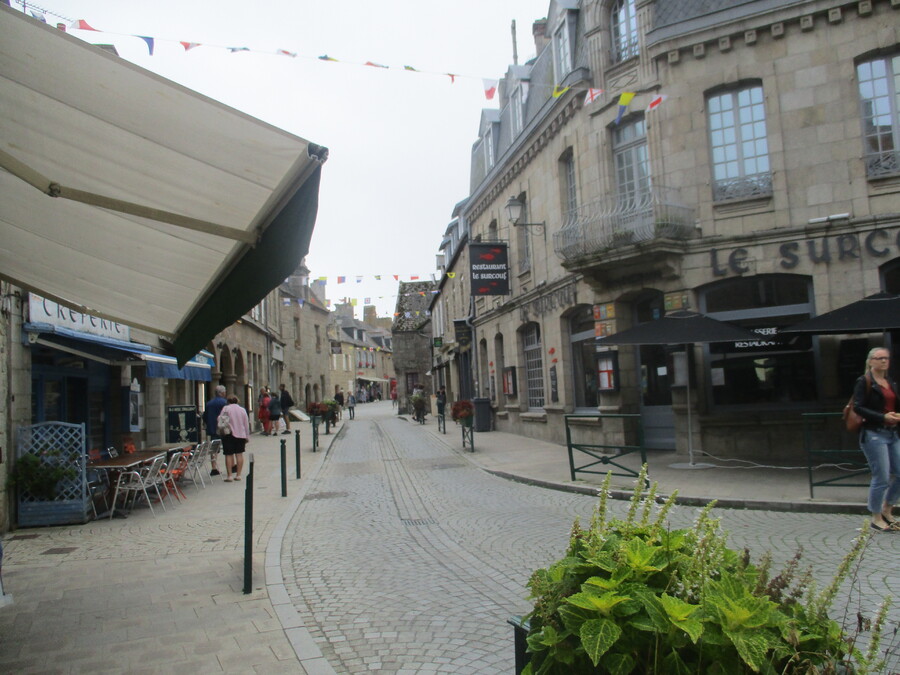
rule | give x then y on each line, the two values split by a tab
404	558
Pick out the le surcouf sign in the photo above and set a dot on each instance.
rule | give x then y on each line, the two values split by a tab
875	244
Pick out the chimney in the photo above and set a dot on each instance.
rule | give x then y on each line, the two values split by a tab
539	31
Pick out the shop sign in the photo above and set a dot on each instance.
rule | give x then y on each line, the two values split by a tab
877	243
42	310
489	268
561	298
181	424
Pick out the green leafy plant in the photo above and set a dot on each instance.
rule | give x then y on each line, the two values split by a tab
632	596
39	475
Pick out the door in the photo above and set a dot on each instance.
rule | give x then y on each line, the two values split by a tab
655	381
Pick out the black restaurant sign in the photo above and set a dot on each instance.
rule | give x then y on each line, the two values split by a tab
489	268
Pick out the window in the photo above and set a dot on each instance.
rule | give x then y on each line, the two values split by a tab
562	52
318	340
632	176
567	177
740	150
297	331
772	370
534	367
584	357
517	108
523	239
489	148
623	20
879	93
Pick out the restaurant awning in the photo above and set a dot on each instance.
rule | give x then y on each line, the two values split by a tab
129	197
117	352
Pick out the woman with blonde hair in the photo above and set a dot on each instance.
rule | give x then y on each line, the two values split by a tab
875	398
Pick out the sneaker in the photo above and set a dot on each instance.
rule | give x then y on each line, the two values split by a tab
214	472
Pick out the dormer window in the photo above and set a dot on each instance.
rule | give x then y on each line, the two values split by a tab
623	21
562	49
517	107
489	148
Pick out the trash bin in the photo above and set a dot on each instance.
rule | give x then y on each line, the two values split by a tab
482	414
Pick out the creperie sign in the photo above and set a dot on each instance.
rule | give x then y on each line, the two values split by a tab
41	310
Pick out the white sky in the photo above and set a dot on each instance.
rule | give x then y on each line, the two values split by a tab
400	142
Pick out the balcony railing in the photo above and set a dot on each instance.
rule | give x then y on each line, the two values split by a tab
608	223
882	163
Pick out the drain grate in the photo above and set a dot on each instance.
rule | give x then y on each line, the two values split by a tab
61	550
418	521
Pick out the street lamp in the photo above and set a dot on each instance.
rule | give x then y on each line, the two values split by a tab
515	209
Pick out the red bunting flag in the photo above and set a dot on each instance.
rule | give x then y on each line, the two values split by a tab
341	280
490	88
188	46
285	52
373	64
452	78
81	24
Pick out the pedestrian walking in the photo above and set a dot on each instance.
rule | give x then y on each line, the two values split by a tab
351	405
441	399
210	416
263	412
875	397
287	402
339	399
274	413
234	440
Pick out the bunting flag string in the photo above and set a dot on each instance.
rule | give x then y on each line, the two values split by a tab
490	85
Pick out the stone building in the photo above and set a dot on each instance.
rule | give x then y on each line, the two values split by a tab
412	340
733	158
361	356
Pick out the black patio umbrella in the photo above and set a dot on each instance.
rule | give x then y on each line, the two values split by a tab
676	328
873	314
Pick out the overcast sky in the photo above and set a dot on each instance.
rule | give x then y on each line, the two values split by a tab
400	142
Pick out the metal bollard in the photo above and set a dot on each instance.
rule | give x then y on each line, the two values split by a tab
248	527
297	450
283	468
315	433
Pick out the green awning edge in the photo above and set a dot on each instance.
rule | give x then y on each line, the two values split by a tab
264	267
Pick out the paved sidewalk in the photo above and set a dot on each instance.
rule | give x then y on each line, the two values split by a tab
162	594
732	484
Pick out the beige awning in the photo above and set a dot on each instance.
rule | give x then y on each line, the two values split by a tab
129	197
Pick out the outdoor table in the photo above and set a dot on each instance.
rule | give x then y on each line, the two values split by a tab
125	462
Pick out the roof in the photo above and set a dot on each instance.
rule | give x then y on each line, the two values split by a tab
132	198
413	299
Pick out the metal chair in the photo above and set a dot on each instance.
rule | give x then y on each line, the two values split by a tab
135	483
172	473
196	460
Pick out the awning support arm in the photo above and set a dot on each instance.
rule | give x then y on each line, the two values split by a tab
48	187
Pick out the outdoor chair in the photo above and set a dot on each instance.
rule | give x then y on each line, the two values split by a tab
172	473
135	483
96	483
195	460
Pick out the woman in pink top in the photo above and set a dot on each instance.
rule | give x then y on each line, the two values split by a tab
233	443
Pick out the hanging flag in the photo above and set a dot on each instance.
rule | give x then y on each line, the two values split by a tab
396	277
373	64
367	301
285	301
324	280
410	68
592	95
624	100
39	16
451	274
656	102
188	46
490	88
234	50
285	52
414	278
557	92
325	57
150	41
341	280
81	24
452	78
377	277
359	278
353	302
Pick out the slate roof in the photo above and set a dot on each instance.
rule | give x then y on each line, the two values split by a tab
413	299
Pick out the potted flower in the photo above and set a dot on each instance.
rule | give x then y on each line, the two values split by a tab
463	411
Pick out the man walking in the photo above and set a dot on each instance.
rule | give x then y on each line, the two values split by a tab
210	417
286	404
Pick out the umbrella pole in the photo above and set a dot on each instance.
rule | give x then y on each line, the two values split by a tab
690	424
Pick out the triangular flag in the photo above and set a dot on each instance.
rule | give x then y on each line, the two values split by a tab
367	301
323	279
325	57
234	50
413	278
373	64
39	16
557	92
396	277
452	78
377	277
341	280
285	52
624	100
451	274
188	46
490	88
592	95
149	41
81	24
410	68
359	279
656	102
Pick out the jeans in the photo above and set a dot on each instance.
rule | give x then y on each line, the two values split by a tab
882	450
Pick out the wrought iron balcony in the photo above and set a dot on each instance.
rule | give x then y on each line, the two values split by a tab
882	163
608	223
